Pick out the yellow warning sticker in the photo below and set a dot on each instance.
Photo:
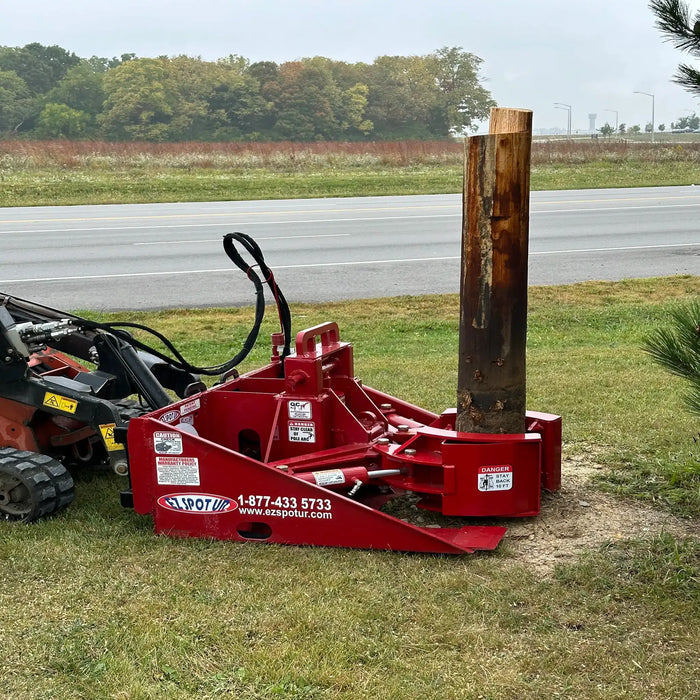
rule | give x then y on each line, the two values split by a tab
107	430
62	403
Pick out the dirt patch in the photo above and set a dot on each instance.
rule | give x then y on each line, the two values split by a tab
581	517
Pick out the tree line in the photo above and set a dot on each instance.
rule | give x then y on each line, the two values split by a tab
48	92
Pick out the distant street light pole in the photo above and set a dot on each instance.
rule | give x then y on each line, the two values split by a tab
648	94
562	105
616	117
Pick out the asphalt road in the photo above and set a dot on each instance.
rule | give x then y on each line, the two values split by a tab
149	256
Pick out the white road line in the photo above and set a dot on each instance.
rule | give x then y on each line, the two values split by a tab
260	238
603	250
227	224
334	264
339	209
230	224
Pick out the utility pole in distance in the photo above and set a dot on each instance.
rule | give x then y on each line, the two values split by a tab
493	293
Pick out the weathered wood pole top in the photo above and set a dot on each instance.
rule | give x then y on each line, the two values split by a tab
493	313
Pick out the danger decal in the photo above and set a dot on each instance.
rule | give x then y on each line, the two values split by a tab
497	477
302	431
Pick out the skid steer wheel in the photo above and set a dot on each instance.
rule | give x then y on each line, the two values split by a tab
32	485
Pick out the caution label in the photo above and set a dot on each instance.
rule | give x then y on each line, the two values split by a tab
167	443
497	477
107	430
61	403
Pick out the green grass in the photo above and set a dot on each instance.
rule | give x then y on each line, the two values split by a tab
93	605
49	186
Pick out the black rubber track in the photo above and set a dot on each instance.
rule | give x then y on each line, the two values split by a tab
32	485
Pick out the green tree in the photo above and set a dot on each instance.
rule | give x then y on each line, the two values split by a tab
662	127
353	105
155	99
307	101
462	99
677	348
401	93
622	128
235	107
41	67
15	101
61	121
673	19
607	130
634	129
82	90
426	96
689	122
138	102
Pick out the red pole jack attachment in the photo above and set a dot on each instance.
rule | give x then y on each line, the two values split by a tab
300	452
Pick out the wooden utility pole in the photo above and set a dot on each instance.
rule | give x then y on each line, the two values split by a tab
493	315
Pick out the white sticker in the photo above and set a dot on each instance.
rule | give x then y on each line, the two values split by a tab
498	477
197	503
302	431
190	406
178	471
329	477
169	416
167	443
299	409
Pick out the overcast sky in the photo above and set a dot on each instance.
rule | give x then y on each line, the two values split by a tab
592	55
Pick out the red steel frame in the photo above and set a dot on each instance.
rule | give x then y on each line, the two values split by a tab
300	452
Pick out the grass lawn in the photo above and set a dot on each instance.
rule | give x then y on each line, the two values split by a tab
64	172
93	605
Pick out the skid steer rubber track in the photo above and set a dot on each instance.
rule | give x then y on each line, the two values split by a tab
32	485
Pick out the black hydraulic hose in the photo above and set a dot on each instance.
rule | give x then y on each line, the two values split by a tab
253	249
180	362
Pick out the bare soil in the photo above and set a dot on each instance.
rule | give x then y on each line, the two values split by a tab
577	518
581	517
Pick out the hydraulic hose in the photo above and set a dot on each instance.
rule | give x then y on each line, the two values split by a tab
178	361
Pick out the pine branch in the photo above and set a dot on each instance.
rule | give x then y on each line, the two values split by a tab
677	349
689	78
674	21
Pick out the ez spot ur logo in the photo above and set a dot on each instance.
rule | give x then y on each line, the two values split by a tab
197	503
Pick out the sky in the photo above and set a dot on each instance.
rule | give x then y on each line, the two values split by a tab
591	55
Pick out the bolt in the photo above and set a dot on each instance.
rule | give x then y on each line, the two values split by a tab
409	451
402	428
386	406
283	467
383	441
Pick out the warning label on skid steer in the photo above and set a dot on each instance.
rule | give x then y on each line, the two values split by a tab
167	442
302	431
178	471
498	477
